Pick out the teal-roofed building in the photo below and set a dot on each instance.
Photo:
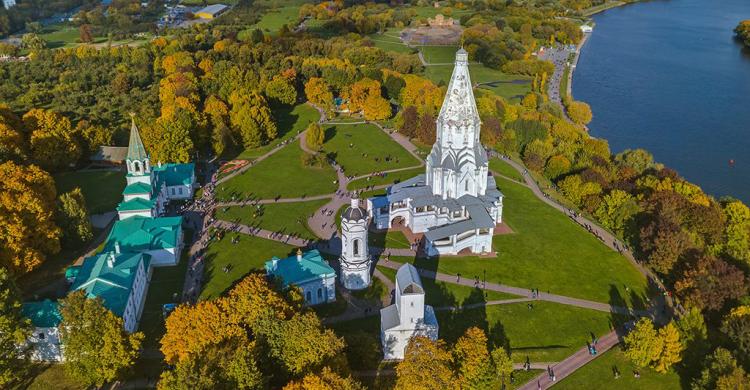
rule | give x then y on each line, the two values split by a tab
308	271
149	188
45	339
120	279
161	238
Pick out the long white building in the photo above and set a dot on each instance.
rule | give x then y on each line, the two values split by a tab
9	3
456	203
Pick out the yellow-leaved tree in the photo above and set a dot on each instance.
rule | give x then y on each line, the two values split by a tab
28	233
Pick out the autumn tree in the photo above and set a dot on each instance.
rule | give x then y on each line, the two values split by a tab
616	211
218	114
73	218
409	119
12	143
663	242
251	118
737	231
579	112
169	138
736	326
646	346
472	360
319	93
314	136
422	94
708	282
427	130
84	32
14	329
426	365
503	365
325	380
671	348
364	95
718	367
93	136
97	348
51	139
281	89
576	189
27	206
376	108
229	364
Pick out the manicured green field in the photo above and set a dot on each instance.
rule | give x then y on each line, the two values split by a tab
289	121
166	284
389	40
511	87
101	189
439	55
283	175
287	218
49	376
430	11
389	178
548	332
599	374
355	148
550	252
249	254
274	18
388	239
503	168
439	294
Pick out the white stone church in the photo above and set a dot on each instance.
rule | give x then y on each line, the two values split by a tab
456	203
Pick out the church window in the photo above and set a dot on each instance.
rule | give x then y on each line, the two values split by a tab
136	167
320	293
356	248
308	296
180	190
466	185
173	191
412	304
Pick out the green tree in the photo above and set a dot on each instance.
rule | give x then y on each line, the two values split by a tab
168	139
426	366
251	118
282	90
503	365
718	365
97	348
14	329
671	348
736	325
737	231
52	143
73	218
637	159
616	211
33	42
93	136
325	380
472	360
314	136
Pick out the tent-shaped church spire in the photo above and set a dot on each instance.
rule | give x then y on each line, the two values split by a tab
136	150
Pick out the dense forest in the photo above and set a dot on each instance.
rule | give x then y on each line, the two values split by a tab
218	88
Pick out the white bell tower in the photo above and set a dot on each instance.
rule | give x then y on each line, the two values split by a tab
355	257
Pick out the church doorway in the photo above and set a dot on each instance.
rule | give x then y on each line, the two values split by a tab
398	222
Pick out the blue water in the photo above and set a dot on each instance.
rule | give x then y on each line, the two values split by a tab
667	76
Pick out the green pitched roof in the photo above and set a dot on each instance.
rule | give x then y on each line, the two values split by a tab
136	204
137	188
174	174
112	284
293	271
136	150
137	234
43	314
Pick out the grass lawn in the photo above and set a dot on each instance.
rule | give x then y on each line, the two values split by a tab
389	178
599	374
388	239
42	376
283	175
274	18
429	12
102	189
550	252
503	168
60	35
448	294
389	40
250	254
365	138
549	332
288	218
165	283
289	121
510	87
439	55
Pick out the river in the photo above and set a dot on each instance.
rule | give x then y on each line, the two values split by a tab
668	76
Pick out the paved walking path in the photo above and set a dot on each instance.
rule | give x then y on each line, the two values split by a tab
571	364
